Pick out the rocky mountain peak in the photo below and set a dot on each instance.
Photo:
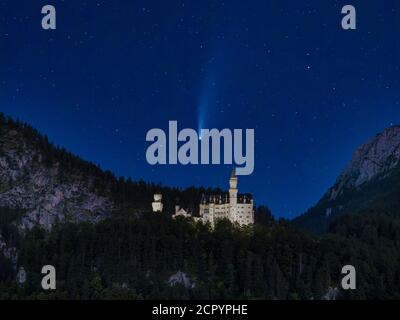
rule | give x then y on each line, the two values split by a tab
375	158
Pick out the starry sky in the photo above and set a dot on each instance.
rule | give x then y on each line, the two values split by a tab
113	70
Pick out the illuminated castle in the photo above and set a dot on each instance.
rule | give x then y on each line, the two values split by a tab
233	206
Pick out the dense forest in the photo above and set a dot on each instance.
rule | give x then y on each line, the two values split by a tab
129	257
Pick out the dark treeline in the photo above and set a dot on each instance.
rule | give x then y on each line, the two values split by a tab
133	258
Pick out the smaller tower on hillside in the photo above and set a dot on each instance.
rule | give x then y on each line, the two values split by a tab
157	203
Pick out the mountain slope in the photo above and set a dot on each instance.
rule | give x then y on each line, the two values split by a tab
370	182
35	177
47	184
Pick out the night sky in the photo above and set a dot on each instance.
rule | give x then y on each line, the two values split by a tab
113	70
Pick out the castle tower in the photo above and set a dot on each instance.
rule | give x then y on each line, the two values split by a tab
233	181
233	191
157	203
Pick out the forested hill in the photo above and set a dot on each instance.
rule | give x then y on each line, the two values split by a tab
50	184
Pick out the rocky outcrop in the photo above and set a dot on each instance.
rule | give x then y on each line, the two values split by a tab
331	294
182	279
375	158
45	193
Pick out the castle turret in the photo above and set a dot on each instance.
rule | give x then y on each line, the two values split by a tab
233	180
157	203
233	191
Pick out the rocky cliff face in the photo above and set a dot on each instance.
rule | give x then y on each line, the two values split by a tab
376	158
370	182
44	192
